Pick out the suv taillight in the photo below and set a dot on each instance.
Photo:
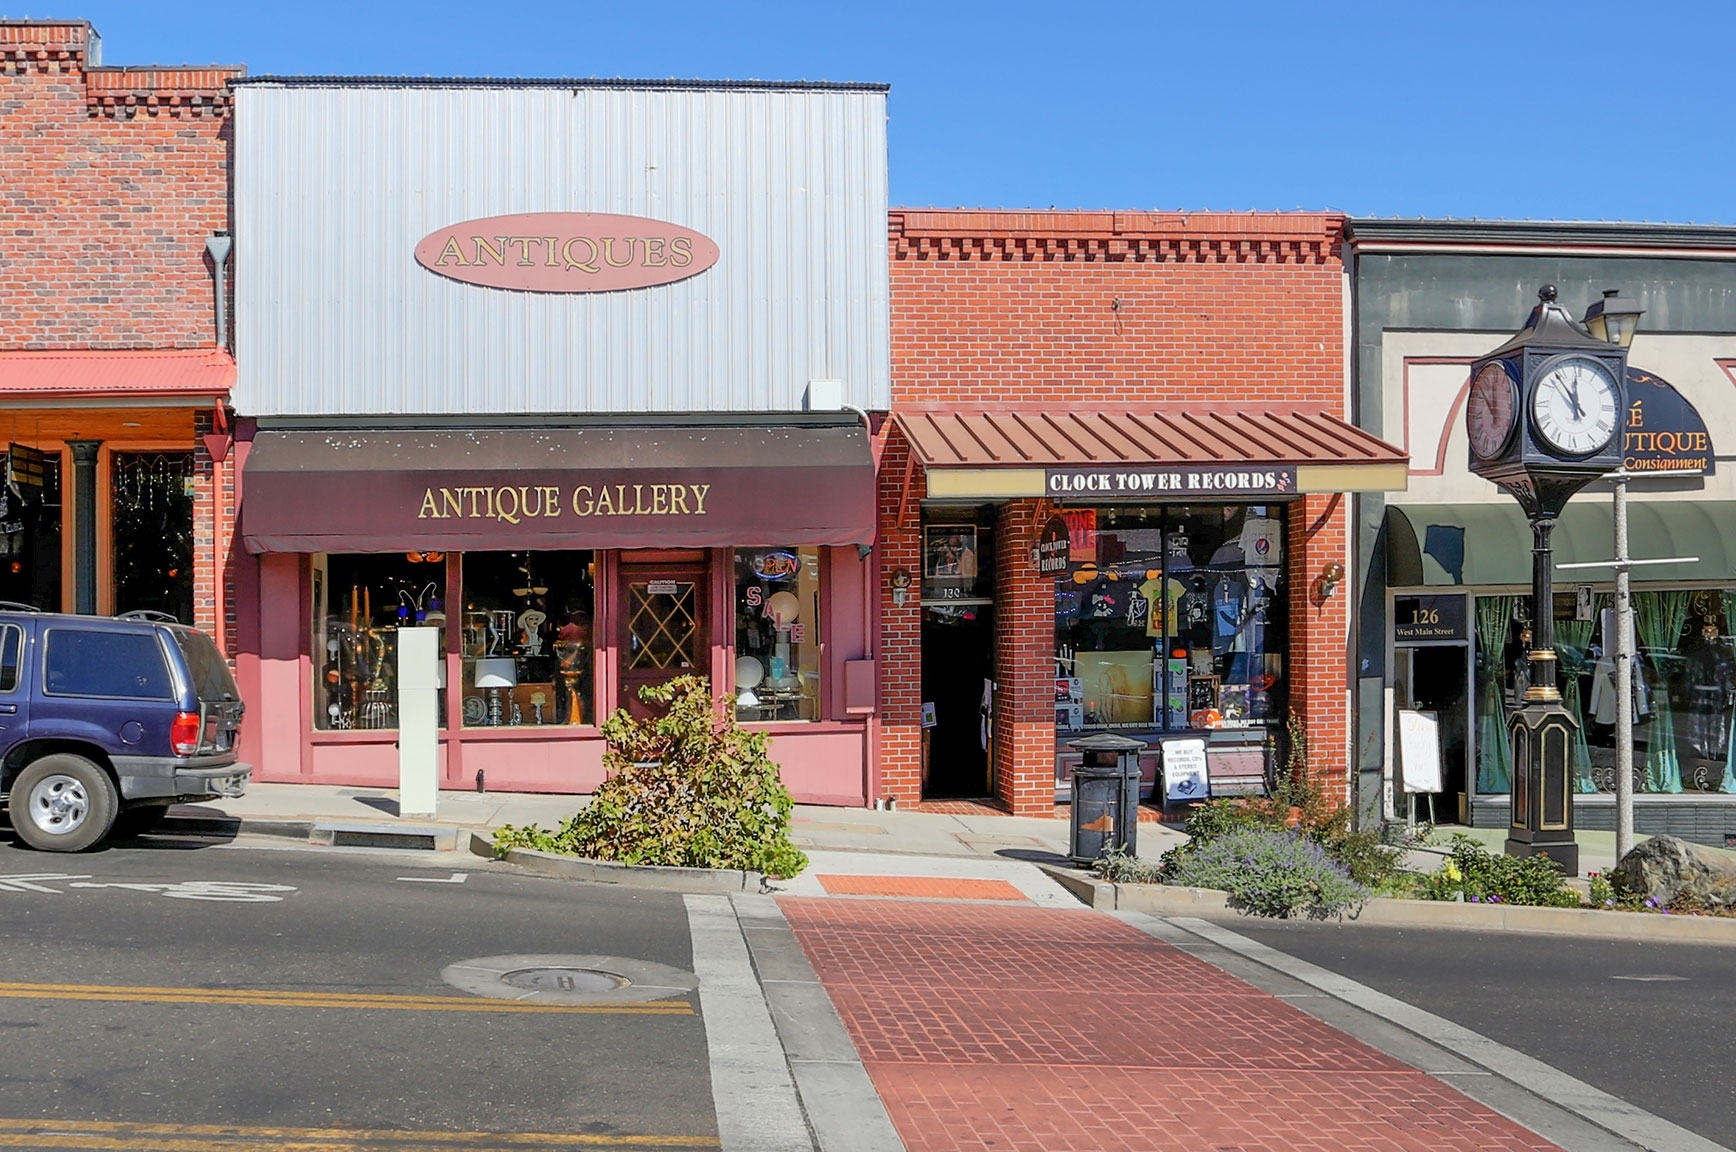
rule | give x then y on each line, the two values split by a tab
184	733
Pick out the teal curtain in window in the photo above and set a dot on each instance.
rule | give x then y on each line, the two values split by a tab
1494	760
1659	617
1572	637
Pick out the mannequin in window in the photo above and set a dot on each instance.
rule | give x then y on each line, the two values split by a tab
1519	665
1710	672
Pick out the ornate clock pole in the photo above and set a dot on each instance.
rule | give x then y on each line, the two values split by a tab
1544	419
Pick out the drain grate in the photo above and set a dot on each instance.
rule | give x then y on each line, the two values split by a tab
569	979
564	980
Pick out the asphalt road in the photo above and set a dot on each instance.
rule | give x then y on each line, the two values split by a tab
1650	1023
349	944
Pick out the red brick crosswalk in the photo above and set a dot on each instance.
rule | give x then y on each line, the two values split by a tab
1020	1029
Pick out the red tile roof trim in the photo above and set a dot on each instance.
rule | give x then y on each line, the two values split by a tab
200	373
1175	434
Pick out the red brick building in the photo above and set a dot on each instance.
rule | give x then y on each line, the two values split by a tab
111	373
1037	354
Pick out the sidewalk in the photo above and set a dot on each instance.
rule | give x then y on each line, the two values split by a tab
1017	1028
946	837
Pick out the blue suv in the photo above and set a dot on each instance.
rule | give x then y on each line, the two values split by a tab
106	722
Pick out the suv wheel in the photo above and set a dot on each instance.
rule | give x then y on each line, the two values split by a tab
63	803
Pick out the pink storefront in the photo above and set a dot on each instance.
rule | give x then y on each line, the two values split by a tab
605	423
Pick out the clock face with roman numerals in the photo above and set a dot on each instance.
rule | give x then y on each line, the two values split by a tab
1491	410
1575	406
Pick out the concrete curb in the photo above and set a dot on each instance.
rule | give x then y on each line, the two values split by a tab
174	825
1164	900
695	880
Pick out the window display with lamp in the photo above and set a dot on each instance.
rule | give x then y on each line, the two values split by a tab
359	603
527	638
777	641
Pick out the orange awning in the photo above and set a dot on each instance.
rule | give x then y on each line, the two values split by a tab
1174	450
193	374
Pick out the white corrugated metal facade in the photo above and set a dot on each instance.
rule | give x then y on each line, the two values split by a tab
336	182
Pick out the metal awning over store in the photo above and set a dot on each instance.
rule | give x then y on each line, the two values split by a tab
166	376
1490	544
1148	452
505	488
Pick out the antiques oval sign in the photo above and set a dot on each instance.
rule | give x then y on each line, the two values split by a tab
566	252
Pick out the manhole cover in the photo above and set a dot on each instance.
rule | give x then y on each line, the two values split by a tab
569	979
565	980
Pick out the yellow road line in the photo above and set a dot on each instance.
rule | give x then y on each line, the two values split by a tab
121	1136
280	998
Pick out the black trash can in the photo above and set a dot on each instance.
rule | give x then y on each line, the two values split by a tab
1105	797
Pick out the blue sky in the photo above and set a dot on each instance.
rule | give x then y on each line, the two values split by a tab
1595	110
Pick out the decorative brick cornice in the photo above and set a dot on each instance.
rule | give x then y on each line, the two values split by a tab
1127	237
45	46
159	91
50	47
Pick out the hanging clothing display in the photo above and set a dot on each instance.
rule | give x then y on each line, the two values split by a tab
1229	606
1710	675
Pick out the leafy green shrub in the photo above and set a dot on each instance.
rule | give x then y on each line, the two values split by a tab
1270	873
687	789
1475	874
1118	867
1300	803
1369	862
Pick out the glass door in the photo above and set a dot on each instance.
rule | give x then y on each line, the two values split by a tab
663	628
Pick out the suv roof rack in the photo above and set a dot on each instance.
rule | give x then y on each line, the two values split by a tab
151	615
15	606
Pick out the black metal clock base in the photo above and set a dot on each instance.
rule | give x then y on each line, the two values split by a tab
1541	822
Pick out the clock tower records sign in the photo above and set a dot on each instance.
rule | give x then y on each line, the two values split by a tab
1544	418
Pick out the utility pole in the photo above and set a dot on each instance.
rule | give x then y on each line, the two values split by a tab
1624	677
1624	660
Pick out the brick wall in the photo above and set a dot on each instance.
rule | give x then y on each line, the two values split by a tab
1108	308
110	181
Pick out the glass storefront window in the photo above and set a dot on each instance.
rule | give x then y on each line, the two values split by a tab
152	520
527	639
1684	705
359	603
30	529
777	634
1171	619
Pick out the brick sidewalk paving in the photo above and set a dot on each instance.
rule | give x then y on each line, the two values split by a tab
990	1028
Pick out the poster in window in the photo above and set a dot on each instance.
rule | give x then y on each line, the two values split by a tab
949	562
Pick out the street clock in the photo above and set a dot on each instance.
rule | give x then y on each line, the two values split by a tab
1544	412
1543	416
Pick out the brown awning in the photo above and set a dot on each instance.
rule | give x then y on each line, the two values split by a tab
681	486
1172	451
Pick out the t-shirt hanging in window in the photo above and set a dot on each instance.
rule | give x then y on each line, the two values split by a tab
1229	601
1262	543
1194	610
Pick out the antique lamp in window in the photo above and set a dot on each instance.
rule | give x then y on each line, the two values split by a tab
494	674
1544	420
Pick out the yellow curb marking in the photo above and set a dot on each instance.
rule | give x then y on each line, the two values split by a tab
365	1000
138	1137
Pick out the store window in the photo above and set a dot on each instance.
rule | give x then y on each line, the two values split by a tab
151	521
1171	619
30	529
777	634
1684	687
528	642
359	603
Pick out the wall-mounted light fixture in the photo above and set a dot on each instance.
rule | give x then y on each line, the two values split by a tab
1327	582
900	582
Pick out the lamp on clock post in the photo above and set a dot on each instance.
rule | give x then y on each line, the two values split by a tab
1544	419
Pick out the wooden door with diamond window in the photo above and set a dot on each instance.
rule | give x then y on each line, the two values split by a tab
663	628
